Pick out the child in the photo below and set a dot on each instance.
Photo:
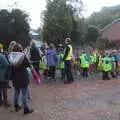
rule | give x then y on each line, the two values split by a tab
51	61
61	64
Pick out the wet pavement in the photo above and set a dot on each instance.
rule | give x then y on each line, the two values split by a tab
85	99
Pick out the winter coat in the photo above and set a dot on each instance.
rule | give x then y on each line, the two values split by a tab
34	54
3	67
51	58
20	77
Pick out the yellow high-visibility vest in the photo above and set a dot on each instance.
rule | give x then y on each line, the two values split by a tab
70	54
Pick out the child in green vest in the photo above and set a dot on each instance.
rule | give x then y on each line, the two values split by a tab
61	64
107	66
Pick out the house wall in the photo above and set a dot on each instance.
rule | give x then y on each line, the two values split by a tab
113	32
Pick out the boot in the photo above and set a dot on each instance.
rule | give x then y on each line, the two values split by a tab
17	108
28	111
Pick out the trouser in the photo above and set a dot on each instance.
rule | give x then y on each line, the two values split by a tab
51	72
68	71
85	72
24	95
105	75
36	67
3	95
63	73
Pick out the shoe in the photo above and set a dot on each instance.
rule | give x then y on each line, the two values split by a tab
28	111
18	108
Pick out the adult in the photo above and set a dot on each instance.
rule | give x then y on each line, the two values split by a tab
20	77
35	56
3	81
68	54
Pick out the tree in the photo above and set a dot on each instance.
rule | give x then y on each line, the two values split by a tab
104	17
59	21
91	35
14	26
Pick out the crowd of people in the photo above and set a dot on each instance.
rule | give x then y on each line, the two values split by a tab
15	62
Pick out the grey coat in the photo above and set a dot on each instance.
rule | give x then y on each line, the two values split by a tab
3	67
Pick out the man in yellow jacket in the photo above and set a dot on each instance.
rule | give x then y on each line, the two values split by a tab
68	54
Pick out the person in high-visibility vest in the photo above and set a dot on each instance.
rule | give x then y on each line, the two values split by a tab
107	66
61	64
68	54
92	64
114	64
85	63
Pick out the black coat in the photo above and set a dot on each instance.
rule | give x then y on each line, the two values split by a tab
20	76
35	55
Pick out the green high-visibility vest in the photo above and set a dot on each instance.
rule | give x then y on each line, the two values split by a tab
95	57
92	59
61	65
107	64
84	61
42	64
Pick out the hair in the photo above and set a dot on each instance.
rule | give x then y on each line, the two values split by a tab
32	43
11	46
18	48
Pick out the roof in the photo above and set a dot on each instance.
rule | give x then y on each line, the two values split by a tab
33	33
108	26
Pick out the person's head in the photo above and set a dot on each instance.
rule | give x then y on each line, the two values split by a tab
52	46
45	45
18	48
33	44
12	43
67	41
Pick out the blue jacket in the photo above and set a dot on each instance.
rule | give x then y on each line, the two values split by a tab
52	59
3	67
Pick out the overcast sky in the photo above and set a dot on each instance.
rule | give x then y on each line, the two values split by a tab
35	7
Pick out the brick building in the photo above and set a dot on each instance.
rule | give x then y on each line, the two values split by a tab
112	32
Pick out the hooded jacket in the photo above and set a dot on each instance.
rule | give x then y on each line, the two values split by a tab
20	77
3	67
51	58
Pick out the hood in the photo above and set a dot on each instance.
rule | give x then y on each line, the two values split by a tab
16	58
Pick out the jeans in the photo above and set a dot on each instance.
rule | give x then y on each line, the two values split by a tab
24	95
68	71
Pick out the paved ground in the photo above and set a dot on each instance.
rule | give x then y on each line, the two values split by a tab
85	99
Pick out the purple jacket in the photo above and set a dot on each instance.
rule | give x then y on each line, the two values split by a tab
51	58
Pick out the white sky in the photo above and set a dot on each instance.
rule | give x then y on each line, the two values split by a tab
35	7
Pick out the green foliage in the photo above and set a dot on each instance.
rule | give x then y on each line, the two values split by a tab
104	17
91	35
59	22
14	26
